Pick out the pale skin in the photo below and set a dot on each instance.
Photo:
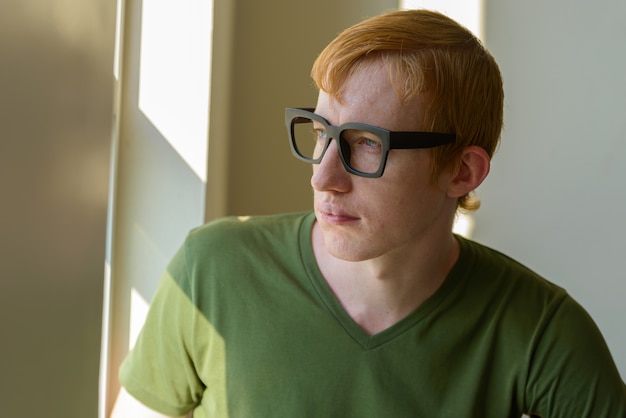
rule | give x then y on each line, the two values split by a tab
383	245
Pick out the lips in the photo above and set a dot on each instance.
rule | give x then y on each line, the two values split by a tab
334	214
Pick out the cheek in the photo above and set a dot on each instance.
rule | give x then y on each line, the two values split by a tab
407	183
391	202
406	199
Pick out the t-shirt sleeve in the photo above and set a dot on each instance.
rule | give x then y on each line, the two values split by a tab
160	371
572	373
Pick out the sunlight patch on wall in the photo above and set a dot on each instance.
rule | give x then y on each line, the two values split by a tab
175	74
105	342
138	313
463	224
469	13
118	39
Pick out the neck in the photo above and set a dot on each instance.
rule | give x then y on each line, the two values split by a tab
377	293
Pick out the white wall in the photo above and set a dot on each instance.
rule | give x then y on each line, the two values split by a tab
556	198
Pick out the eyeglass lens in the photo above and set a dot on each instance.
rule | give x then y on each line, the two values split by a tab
362	150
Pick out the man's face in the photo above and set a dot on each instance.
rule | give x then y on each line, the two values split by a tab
365	218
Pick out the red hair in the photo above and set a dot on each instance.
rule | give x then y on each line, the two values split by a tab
426	53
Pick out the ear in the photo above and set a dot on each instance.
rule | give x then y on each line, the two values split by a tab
472	169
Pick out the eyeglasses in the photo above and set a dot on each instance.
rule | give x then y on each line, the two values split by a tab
363	148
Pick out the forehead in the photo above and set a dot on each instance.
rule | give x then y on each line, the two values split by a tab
368	96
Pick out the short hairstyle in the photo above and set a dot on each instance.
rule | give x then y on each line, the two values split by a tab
426	52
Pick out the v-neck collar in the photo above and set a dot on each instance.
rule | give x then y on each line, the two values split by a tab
326	295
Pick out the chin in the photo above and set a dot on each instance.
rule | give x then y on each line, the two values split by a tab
349	250
348	245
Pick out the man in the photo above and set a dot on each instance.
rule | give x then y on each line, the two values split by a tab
370	306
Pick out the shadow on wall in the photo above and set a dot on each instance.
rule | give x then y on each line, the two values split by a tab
55	109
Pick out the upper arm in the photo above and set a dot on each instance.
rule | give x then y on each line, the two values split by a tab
126	406
572	371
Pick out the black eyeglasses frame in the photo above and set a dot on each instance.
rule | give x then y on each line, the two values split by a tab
390	139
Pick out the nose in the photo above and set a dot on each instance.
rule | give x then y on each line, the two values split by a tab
330	174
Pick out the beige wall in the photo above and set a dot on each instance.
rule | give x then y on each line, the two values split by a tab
56	60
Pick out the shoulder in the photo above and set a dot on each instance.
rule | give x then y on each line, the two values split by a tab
233	229
494	268
508	292
567	366
242	240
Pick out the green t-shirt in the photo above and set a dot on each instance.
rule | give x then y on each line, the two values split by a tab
244	325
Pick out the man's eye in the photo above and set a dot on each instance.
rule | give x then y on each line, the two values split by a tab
366	142
320	134
361	139
370	142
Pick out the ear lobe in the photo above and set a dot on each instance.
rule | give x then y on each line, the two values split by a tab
472	169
